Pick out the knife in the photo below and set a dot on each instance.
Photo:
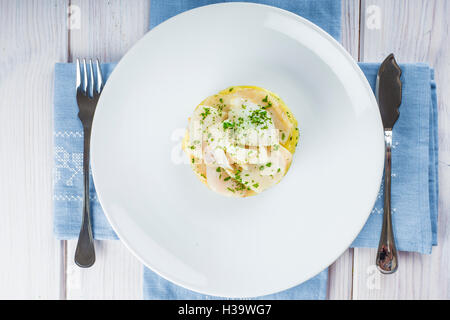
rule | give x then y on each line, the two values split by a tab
388	92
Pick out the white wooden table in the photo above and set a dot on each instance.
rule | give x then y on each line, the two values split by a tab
36	34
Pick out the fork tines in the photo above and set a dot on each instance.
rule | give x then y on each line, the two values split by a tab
86	81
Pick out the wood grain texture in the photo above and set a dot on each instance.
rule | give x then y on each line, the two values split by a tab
115	275
350	27
32	38
340	277
106	30
413	30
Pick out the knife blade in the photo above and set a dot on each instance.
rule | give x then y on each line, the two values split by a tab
388	92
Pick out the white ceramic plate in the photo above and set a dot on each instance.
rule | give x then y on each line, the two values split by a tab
227	246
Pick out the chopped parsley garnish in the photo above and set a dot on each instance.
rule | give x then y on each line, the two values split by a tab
269	104
259	117
206	112
228	125
283	136
239	186
231	190
220	109
218	169
261	168
231	89
227	178
237	176
256	185
268	164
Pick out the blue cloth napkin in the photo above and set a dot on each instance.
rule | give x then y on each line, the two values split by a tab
157	288
324	13
414	170
414	198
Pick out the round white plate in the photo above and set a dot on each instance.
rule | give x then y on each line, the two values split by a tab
226	246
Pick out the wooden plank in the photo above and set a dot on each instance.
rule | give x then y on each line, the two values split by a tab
350	27
413	30
106	30
340	276
33	38
115	275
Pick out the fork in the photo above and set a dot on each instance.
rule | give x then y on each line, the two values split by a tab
89	85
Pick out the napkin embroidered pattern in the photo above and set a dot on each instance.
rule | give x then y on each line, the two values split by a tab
68	161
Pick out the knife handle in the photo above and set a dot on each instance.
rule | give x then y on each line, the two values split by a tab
387	260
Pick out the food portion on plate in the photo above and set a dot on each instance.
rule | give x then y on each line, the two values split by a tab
241	140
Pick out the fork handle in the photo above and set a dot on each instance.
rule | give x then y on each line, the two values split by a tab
85	253
387	260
